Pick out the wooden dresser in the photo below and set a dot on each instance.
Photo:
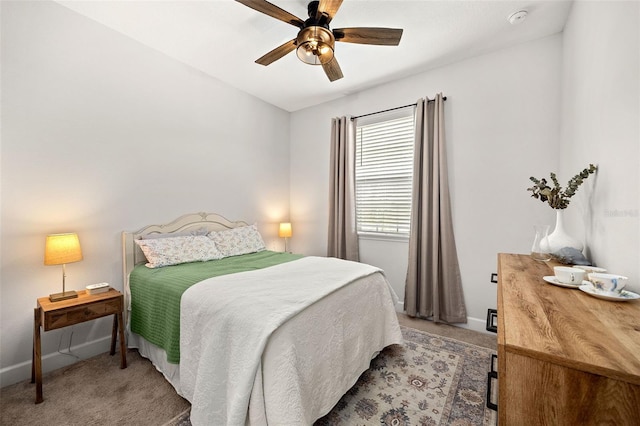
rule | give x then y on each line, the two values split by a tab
564	357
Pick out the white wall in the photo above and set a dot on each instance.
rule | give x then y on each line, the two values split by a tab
502	126
600	124
101	134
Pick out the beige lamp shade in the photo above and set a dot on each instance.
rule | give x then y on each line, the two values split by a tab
285	230
62	248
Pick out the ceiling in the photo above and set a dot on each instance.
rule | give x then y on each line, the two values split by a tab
223	38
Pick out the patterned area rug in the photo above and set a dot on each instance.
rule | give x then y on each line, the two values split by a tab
430	380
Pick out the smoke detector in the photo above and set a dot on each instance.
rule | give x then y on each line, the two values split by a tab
517	17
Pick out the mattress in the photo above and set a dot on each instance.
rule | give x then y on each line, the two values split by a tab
309	361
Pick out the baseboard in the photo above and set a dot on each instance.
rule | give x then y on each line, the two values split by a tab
475	324
22	371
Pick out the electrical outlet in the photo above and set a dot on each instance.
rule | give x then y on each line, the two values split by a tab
494	278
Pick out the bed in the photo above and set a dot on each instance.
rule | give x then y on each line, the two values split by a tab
263	337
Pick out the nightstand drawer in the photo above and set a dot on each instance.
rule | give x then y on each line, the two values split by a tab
77	314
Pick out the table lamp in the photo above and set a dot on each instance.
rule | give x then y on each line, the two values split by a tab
285	232
60	249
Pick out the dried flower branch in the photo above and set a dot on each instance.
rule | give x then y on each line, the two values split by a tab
557	197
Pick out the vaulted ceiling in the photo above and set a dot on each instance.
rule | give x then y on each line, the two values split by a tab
223	38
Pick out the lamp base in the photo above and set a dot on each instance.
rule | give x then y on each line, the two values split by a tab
56	297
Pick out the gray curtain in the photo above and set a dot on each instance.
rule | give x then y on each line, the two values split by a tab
433	288
343	237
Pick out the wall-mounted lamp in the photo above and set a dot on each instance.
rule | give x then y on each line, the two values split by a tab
285	232
60	249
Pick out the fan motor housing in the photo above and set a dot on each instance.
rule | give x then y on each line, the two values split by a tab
312	11
312	8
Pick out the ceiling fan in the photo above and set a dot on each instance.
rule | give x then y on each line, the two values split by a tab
315	41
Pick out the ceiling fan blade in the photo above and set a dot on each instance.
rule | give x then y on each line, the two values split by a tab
274	11
277	53
332	70
364	35
328	7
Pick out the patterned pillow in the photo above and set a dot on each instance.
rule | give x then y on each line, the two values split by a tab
236	241
173	251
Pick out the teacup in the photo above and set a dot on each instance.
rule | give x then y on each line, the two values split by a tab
608	282
569	275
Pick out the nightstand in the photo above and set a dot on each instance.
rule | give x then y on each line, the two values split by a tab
86	307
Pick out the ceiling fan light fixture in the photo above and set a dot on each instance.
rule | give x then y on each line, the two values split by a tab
315	41
315	45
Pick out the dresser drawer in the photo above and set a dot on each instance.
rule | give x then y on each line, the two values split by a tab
74	315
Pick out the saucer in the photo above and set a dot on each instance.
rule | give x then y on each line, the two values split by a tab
623	296
551	279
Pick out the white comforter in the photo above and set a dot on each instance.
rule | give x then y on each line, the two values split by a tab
238	367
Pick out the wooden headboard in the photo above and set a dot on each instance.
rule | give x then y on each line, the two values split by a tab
132	255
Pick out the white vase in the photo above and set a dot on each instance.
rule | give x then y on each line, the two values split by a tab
559	238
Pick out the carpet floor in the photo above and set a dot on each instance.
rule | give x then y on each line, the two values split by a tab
97	392
428	380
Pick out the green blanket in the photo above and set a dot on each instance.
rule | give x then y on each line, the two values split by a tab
156	293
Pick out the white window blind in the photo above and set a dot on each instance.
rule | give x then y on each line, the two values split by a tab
384	170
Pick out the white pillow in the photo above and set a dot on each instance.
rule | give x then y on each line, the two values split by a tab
173	251
236	241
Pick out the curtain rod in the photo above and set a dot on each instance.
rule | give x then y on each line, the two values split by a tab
392	109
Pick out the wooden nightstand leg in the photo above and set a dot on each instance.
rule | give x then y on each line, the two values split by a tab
33	355
114	334
123	345
118	326
36	364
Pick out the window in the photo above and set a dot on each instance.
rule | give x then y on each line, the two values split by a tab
384	171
